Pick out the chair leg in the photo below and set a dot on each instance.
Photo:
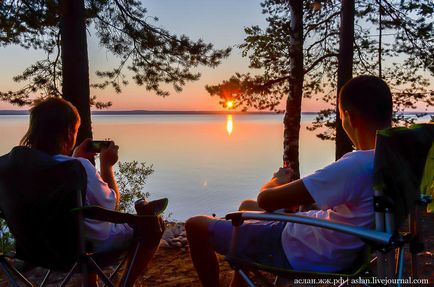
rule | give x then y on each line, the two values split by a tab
132	259
7	267
281	281
246	278
8	274
117	268
99	271
47	275
400	263
69	275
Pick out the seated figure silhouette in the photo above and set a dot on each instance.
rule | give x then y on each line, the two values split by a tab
53	128
343	191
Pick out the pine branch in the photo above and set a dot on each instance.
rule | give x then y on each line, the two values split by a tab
314	26
319	61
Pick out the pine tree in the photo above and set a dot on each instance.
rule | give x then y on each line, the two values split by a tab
153	56
406	57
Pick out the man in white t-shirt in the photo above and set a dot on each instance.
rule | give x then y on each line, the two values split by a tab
343	191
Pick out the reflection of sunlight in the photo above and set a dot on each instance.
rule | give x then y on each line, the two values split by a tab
229	125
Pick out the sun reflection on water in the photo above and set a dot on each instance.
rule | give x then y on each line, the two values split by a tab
229	124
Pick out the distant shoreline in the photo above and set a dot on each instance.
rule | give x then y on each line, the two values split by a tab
146	112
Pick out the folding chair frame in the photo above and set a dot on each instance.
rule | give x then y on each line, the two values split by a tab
384	242
85	260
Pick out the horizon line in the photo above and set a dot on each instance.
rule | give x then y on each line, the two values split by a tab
107	112
180	112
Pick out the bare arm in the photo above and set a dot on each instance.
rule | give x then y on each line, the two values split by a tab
288	195
108	176
108	157
281	192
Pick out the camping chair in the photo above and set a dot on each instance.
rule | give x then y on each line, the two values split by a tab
42	203
400	157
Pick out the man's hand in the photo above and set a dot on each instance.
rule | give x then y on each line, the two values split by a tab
109	155
82	150
283	175
280	177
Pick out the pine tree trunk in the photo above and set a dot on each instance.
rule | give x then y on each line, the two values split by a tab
292	117
75	64
345	70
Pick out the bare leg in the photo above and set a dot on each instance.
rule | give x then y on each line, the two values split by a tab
249	205
201	251
237	281
144	256
151	231
92	279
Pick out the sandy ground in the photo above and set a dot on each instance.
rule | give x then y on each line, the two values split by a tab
173	266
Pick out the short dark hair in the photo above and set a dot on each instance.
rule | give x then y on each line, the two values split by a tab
50	121
370	98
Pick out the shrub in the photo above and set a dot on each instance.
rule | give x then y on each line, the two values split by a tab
131	178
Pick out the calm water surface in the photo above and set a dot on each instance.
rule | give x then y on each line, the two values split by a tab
203	163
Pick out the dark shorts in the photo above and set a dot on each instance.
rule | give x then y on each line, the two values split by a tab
258	241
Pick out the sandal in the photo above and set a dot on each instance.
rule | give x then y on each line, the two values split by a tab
155	207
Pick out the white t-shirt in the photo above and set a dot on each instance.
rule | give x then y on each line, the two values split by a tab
344	192
98	193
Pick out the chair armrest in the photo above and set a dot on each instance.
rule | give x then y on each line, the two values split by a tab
103	214
375	236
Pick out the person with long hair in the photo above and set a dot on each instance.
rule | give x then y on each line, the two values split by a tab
53	128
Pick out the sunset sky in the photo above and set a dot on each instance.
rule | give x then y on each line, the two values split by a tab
219	22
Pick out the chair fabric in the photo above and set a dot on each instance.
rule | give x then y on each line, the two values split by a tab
427	184
358	268
37	194
400	157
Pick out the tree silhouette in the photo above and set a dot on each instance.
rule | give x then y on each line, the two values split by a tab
345	70
153	56
406	57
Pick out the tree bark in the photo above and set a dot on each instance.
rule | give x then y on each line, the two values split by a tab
291	120
345	70
75	63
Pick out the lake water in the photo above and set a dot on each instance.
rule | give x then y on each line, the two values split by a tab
204	163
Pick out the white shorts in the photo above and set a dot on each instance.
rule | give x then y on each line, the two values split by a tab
120	238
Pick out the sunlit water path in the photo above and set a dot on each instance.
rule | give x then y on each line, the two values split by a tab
203	163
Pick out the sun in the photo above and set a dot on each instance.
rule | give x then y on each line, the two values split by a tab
229	104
